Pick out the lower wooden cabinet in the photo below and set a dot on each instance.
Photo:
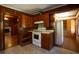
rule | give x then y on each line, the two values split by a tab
47	41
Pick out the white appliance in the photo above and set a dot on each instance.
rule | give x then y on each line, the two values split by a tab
38	22
36	38
59	32
36	35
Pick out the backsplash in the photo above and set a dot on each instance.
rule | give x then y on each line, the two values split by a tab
40	25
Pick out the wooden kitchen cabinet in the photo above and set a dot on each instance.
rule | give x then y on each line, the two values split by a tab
43	17
38	18
27	21
51	21
46	20
47	41
30	22
24	20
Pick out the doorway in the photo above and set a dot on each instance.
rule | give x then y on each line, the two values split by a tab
10	31
66	34
70	41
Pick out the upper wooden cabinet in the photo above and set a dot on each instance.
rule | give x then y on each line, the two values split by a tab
52	21
24	20
27	21
38	17
30	22
46	19
43	17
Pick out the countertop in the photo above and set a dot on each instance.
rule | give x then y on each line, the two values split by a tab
44	31
48	31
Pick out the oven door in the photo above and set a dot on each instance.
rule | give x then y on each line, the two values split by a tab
36	36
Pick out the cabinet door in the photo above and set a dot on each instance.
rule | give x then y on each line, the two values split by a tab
24	20
46	19
41	17
30	22
51	21
36	18
45	41
27	21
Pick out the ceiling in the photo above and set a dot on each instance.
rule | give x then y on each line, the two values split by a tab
32	8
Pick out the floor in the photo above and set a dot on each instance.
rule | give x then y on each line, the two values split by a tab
10	40
32	49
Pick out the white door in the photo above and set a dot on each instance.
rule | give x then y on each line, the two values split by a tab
59	32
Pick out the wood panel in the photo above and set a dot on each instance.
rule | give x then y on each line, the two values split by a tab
70	41
25	37
27	21
19	18
36	18
24	20
14	26
30	22
71	44
68	28
10	40
51	21
47	41
9	11
46	19
64	8
1	29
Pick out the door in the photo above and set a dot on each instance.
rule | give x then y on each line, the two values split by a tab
59	32
70	40
11	36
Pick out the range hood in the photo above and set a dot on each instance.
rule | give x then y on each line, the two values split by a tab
38	22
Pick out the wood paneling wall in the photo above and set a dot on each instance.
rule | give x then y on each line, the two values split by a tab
70	41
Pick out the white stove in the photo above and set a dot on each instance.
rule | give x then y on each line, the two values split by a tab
36	38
